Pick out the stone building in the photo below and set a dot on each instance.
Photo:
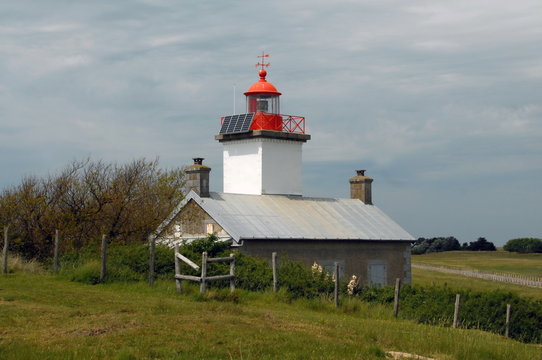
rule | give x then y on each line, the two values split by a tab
262	208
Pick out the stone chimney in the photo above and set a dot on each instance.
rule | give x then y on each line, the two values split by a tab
198	177
360	187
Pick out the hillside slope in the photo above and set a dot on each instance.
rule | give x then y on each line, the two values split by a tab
48	317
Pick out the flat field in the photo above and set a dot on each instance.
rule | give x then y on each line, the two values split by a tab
485	261
432	278
48	317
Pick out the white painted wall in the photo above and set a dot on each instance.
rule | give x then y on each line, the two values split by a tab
263	166
243	167
281	167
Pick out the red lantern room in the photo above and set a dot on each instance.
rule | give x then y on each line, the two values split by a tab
263	110
263	101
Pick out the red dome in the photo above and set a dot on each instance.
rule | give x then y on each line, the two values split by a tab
262	86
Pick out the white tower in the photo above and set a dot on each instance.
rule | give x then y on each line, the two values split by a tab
262	148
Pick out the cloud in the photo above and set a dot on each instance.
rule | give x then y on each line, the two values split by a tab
425	90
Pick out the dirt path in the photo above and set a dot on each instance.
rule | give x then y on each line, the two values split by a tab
513	279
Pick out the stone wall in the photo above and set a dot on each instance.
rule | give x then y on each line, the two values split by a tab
381	261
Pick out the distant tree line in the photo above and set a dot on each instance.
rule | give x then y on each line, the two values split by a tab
87	199
440	244
524	245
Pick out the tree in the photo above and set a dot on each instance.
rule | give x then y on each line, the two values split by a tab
479	245
87	199
438	244
524	245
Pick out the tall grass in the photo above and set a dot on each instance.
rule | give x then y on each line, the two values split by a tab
18	263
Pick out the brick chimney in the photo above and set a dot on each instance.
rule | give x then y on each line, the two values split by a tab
198	177
360	187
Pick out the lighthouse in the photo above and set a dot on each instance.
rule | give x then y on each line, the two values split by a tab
262	148
262	209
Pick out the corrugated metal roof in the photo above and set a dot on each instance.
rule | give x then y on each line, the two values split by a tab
294	217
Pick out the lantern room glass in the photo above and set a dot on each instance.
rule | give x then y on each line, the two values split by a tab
263	103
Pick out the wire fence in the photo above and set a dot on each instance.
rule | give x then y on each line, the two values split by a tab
502	277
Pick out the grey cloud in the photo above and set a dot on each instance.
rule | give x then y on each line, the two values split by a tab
416	92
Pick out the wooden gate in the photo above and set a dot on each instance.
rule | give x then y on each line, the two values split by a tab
203	278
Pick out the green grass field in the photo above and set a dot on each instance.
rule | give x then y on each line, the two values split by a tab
47	317
431	278
485	261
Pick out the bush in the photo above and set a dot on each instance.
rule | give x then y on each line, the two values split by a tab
438	244
252	273
136	258
524	245
479	245
479	310
300	281
89	273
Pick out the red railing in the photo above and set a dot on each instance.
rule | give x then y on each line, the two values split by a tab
293	124
290	123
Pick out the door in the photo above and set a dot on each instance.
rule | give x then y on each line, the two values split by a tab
377	274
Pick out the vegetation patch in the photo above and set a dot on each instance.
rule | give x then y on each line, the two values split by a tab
479	310
129	320
524	245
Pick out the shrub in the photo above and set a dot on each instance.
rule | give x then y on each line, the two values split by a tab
136	258
524	245
252	273
438	244
479	245
300	281
89	273
479	310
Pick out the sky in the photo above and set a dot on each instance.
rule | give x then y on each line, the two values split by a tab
440	101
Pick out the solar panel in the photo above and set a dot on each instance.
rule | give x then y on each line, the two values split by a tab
233	124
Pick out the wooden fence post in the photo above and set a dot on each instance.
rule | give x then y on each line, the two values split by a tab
456	310
506	330
5	252
275	276
336	293
103	270
177	269
152	247
232	273
396	297
55	253
202	287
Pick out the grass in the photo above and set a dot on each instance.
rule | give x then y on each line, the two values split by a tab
18	263
485	261
431	278
48	317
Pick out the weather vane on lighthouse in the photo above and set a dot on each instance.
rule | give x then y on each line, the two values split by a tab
262	61
262	109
